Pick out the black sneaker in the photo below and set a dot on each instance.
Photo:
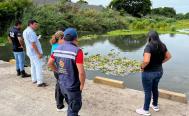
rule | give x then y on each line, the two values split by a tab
34	82
24	74
18	72
42	85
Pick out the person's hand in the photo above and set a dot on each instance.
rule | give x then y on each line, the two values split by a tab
81	87
53	37
22	47
40	56
53	40
141	68
39	37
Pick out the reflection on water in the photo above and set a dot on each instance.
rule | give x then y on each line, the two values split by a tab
183	30
129	43
100	45
176	71
122	44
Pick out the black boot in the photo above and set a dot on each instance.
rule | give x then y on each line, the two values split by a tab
18	72
24	74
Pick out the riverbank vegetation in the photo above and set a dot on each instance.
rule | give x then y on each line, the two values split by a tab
113	20
54	16
11	10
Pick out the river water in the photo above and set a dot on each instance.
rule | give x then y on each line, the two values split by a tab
176	71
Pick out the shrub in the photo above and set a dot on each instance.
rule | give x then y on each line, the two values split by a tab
54	16
11	10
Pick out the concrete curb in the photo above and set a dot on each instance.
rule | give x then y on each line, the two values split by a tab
174	96
110	82
12	61
170	95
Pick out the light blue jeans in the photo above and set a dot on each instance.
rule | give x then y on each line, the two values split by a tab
20	60
36	69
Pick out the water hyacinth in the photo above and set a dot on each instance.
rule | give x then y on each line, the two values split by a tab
112	64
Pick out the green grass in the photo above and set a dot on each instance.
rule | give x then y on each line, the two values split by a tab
129	32
182	24
88	37
125	32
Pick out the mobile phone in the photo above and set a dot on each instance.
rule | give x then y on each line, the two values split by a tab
39	37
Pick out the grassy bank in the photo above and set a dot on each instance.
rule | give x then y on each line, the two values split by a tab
182	24
129	32
169	26
143	27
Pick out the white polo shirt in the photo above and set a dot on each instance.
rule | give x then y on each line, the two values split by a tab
30	37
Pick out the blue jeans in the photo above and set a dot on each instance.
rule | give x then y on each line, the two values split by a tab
20	60
150	81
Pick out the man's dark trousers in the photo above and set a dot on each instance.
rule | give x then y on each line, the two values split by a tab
74	100
59	97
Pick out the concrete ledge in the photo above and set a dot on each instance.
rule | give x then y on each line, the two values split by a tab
179	97
110	82
12	61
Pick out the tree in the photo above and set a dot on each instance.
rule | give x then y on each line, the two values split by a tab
82	2
136	8
186	16
11	10
166	11
180	16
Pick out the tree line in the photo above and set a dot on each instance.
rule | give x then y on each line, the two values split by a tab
140	8
11	10
65	14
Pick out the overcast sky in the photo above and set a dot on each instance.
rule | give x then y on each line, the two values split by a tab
181	6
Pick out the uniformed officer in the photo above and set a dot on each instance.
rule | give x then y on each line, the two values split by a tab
68	59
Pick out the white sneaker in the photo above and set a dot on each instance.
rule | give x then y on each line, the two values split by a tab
141	111
155	108
62	110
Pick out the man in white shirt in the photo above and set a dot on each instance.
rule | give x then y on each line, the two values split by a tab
34	52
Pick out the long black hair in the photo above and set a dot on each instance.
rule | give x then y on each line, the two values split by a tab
154	40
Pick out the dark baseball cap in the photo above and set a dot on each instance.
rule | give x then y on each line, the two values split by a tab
70	34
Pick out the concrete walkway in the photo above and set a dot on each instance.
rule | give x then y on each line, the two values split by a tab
19	97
